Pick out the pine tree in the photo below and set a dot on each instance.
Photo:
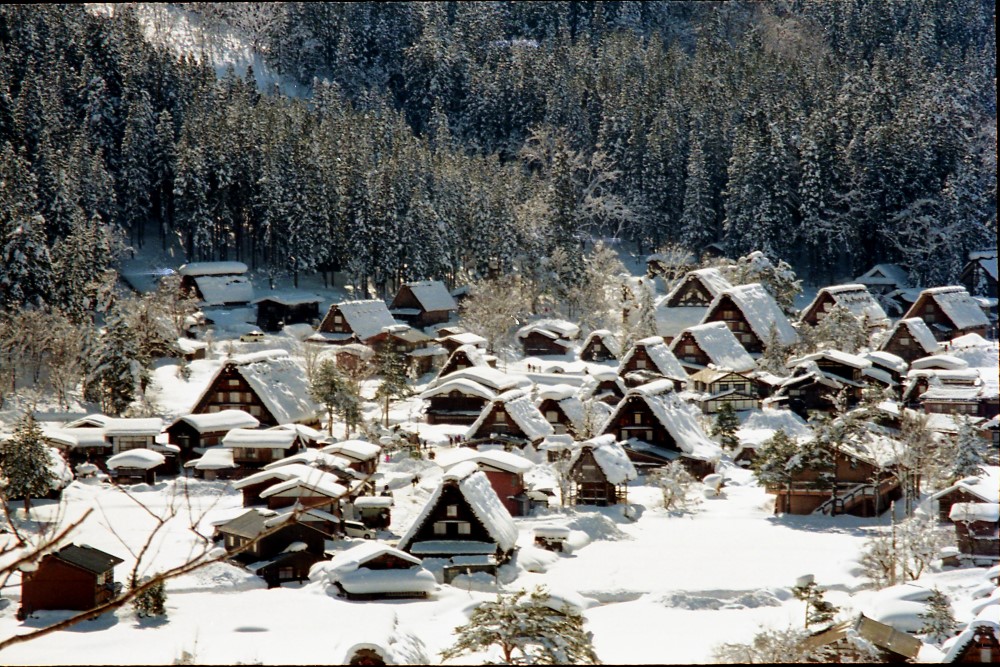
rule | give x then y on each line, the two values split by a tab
152	601
24	463
117	369
331	389
939	620
771	464
725	427
526	631
391	366
968	461
818	610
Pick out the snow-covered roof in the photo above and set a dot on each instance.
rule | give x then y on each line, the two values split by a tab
760	310
854	298
607	338
552	328
358	450
887	360
956	304
661	356
493	458
885	274
988	618
317	483
468	387
311	457
679	419
214	458
718	342
975	512
289	297
136	458
224	420
432	295
366	318
491	378
467	338
986	486
135	426
212	269
919	331
76	437
217	290
943	361
281	385
710	278
281	473
517	403
610	458
852	360
479	494
671	321
258	439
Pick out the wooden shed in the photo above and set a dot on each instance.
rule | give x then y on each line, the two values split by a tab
600	471
75	577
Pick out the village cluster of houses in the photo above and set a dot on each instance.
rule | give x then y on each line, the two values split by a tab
606	412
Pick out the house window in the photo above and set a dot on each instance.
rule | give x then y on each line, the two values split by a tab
234	397
102	578
649	436
286	573
723	386
929	318
551	416
220	397
690	349
232	383
500	416
337	319
440	528
452	510
636	417
904	341
640	363
249	453
255	410
214	408
464	528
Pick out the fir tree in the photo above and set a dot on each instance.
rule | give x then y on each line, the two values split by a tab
25	464
332	390
725	427
152	601
818	610
772	463
968	461
391	366
939	620
117	370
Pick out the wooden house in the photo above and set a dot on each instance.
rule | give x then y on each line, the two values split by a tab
217	283
567	413
977	530
949	312
356	322
660	264
910	339
656	427
649	359
459	397
600	345
255	448
466	356
135	466
214	463
422	353
697	288
600	471
318	490
978	642
277	309
75	577
982	489
268	385
712	344
864	485
979	276
719	385
79	445
363	456
277	553
855	299
374	571
893	366
463	520
124	433
252	486
452	340
195	432
374	511
513	417
548	337
962	395
605	386
421	304
753	316
504	470
882	279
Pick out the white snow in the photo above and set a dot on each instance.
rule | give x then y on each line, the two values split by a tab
989	512
663	359
224	420
610	458
956	304
195	269
854	298
432	295
760	310
144	459
366	318
256	439
918	331
718	342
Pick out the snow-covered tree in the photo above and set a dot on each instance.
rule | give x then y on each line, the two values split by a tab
117	370
677	485
391	367
725	427
25	464
778	279
772	647
818	609
902	553
838	330
493	308
526	631
968	458
336	393
939	619
152	601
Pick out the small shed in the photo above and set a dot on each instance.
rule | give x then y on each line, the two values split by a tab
254	448
215	463
977	529
949	312
217	283
363	455
77	577
600	471
193	432
548	337
135	466
373	571
600	345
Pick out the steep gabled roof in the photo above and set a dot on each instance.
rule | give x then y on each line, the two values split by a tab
956	304
607	338
718	342
479	494
366	318
610	458
885	274
760	310
432	295
987	619
517	403
919	331
661	356
854	298
677	417
710	278
281	385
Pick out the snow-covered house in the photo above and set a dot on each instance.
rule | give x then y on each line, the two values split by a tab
125	433
253	485
451	340
195	432
214	463
135	466
600	345
504	470
217	283
466	356
546	337
882	279
657	427
567	413
254	448
599	472
363	321
362	455
910	339
649	359
269	385
697	288
278	309
459	397
949	312
817	378
375	571
422	352
840	641
318	490
512	417
854	298
278	552
983	488
977	530
423	303
753	315
979	641
716	386
979	276
605	386
464	522
712	344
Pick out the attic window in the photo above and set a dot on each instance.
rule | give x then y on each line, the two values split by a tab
337	319
440	528
452	510
551	416
500	416
464	528
636	417
640	363
904	341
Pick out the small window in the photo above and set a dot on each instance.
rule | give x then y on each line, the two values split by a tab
636	417
452	510
232	383
904	341
690	349
551	416
640	363
649	436
440	528
464	528
234	397
338	319
500	416
286	573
